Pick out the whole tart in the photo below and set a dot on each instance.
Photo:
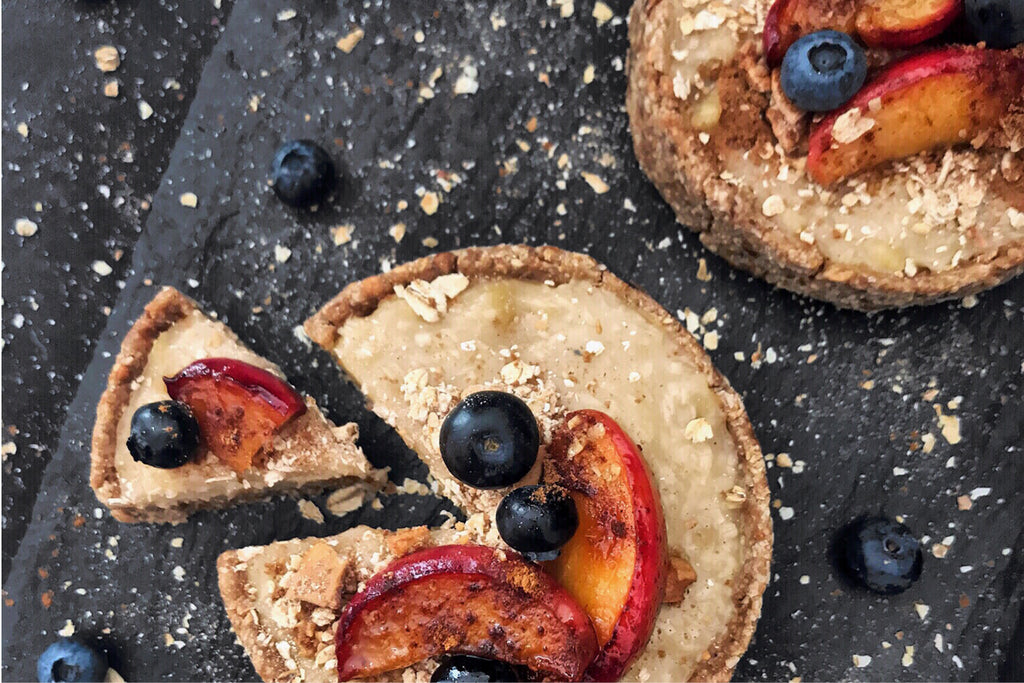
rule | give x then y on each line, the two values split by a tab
308	453
558	330
714	133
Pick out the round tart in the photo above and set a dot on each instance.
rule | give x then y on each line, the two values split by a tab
729	152
563	334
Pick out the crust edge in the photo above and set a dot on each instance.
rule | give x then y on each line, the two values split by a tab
359	299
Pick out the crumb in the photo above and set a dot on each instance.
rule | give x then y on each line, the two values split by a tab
348	42
107	58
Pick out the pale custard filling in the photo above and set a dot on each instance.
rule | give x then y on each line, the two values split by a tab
206	478
907	221
597	352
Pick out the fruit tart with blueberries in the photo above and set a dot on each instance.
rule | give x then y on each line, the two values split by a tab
193	419
616	508
864	152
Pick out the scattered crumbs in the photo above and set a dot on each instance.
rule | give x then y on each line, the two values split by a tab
908	656
466	83
429	203
711	341
68	630
286	14
282	253
702	271
397	231
602	13
145	111
25	228
928	442
596	183
102	268
698	430
107	58
310	511
342	234
773	206
921	609
963	502
111	88
861	661
178	572
949	425
429	242
785	513
348	42
588	74
189	199
177	542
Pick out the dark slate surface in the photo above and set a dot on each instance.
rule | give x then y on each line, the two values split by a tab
861	448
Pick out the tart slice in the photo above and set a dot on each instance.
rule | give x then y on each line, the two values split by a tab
192	419
893	175
608	374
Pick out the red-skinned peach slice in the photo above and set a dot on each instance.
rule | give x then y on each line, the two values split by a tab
787	20
465	599
238	406
902	23
942	97
615	563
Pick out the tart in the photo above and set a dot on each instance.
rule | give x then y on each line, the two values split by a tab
742	166
578	347
306	453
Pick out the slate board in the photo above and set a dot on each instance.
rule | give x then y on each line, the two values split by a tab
861	448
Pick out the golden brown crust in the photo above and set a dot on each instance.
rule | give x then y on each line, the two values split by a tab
550	263
168	307
730	224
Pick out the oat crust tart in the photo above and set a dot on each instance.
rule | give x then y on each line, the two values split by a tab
911	196
307	452
573	343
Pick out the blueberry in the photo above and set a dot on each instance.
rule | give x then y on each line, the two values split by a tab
490	440
880	554
823	70
71	661
302	173
469	669
163	434
537	519
1000	23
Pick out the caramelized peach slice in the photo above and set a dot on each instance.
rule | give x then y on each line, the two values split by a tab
238	406
788	20
615	563
902	23
465	599
938	98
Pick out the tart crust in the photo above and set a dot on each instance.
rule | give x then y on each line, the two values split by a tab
731	224
550	264
168	307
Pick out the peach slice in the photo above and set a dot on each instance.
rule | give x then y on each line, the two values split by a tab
902	23
788	20
615	564
942	97
238	406
466	599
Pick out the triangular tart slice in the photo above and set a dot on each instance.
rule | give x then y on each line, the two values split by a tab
305	452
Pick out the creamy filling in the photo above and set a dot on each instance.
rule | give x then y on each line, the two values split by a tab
306	451
930	212
593	350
